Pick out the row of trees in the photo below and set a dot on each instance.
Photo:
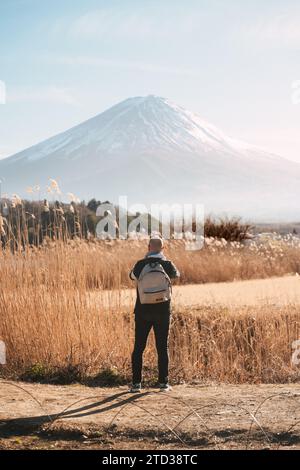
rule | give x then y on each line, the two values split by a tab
30	223
24	222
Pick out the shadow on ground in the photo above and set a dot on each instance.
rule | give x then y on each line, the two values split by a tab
54	427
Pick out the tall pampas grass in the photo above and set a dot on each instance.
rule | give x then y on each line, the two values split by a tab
61	315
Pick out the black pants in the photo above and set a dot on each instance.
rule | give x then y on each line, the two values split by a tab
143	325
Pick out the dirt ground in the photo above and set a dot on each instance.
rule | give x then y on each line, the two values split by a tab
35	416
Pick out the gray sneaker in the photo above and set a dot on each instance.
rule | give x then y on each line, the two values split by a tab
136	388
164	387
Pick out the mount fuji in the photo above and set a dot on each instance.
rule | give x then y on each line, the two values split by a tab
154	151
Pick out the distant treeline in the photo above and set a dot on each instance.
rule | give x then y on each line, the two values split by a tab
24	222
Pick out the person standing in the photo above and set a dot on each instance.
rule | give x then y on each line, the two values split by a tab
153	275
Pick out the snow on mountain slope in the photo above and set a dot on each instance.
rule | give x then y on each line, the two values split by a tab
141	123
155	151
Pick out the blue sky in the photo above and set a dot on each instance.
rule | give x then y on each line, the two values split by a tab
232	62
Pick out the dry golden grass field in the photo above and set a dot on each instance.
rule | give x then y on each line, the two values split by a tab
66	312
66	317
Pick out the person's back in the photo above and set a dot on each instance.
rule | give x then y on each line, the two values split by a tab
152	309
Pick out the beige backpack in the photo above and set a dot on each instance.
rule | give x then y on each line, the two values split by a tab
154	285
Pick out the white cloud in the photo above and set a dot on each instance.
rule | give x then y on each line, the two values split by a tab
50	94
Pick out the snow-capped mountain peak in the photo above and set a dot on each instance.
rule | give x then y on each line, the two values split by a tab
143	124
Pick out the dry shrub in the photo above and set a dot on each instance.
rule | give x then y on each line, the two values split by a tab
231	229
